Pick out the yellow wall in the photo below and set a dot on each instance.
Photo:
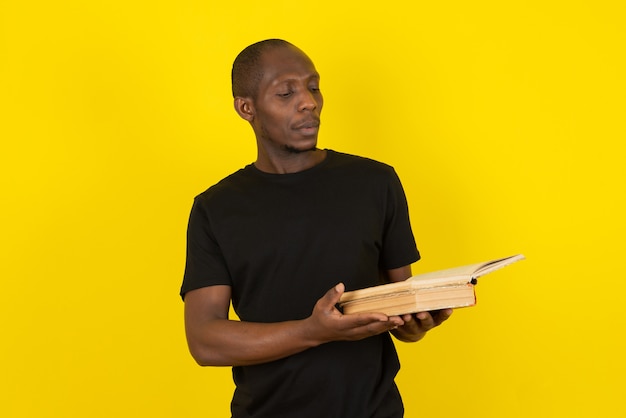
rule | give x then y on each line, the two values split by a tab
505	121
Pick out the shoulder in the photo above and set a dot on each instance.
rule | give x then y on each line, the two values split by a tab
229	185
345	158
359	165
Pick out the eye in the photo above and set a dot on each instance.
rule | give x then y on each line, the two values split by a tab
285	94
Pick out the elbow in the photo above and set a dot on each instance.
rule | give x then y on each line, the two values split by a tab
203	362
201	359
206	357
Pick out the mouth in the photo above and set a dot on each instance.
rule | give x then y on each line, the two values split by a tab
309	126
309	123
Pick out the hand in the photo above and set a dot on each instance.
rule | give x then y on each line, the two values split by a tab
417	325
327	323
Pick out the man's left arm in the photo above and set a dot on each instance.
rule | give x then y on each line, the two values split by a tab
415	325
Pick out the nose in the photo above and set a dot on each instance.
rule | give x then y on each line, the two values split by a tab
308	101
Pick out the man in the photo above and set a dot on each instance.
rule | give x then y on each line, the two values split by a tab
282	239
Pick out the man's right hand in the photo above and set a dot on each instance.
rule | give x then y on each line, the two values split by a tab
327	323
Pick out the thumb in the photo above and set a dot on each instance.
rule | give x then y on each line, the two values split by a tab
340	288
330	299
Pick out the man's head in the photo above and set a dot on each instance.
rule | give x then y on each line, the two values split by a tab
247	69
276	89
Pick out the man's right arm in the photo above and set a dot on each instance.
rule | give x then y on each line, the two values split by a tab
214	340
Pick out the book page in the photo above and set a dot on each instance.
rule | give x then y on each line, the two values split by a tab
497	264
463	274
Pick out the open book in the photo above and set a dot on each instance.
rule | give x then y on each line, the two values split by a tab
450	288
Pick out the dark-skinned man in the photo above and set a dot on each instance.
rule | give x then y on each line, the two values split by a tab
282	239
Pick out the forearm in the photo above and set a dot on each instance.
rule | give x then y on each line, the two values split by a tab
223	342
214	340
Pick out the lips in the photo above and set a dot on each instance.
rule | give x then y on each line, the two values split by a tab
308	124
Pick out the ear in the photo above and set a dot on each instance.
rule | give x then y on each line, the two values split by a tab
245	108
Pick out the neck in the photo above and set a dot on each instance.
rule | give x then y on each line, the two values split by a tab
289	161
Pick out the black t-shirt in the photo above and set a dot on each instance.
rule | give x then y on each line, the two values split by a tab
281	241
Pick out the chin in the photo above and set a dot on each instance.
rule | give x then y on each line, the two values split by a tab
299	150
301	146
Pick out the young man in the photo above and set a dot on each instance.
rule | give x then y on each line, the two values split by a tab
282	239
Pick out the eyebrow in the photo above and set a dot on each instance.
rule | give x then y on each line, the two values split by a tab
292	79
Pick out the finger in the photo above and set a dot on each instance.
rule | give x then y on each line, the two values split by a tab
425	320
365	319
330	299
411	325
442	315
397	320
373	328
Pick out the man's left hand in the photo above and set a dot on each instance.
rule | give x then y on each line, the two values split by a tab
417	325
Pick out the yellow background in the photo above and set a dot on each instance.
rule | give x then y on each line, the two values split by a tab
505	121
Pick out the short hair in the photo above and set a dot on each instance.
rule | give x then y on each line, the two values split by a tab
247	71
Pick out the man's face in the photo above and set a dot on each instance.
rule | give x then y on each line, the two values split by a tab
288	103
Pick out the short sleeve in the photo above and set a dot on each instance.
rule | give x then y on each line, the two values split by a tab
205	264
399	248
